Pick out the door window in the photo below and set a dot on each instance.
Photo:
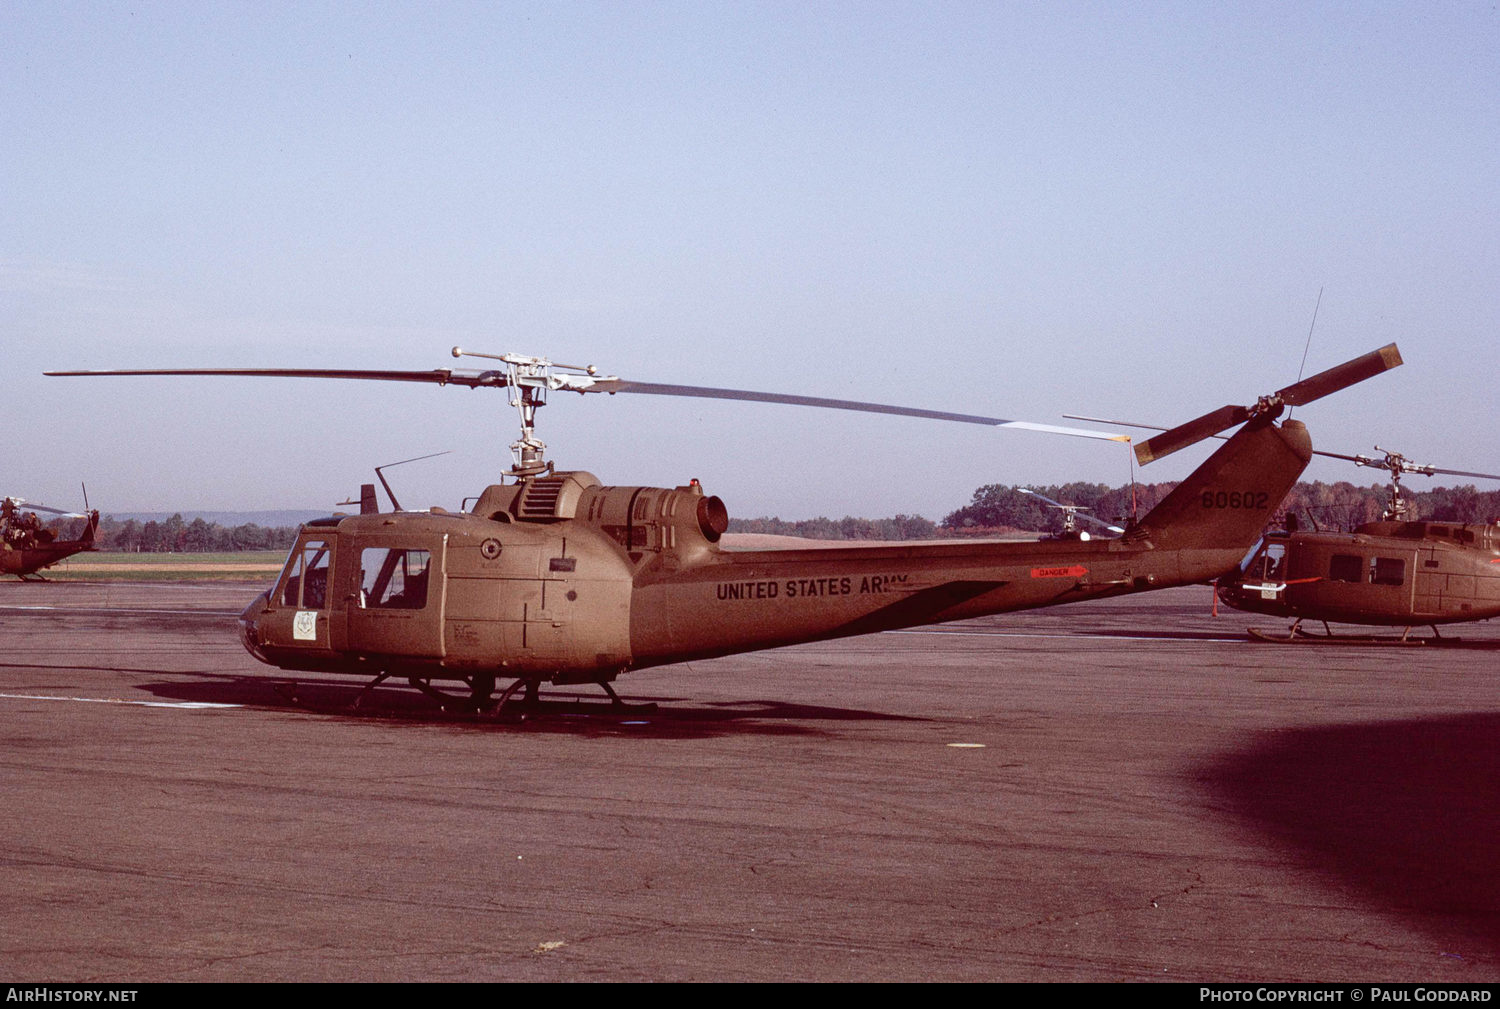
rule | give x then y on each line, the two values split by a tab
394	578
1346	568
1387	570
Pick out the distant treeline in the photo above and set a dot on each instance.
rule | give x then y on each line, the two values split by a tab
995	508
174	535
1344	506
998	508
902	527
1339	505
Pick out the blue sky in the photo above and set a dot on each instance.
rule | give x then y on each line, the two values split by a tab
1010	209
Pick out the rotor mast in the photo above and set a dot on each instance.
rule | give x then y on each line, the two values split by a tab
1399	508
529	379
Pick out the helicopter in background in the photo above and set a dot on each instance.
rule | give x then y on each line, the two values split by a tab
558	578
1071	515
27	546
1398	571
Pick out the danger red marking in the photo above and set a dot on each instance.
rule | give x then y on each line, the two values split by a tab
1076	571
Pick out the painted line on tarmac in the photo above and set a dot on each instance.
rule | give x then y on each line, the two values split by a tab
121	609
1150	639
118	700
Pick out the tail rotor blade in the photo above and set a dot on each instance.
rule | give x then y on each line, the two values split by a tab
1191	433
1341	376
1323	383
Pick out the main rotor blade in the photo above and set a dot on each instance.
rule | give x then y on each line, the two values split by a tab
475	379
1341	376
1099	522
1459	472
1375	463
1191	433
437	376
1055	504
706	392
1116	423
31	506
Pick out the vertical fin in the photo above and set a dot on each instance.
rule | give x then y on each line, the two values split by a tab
1225	503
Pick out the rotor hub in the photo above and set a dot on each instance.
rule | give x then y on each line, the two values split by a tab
528	379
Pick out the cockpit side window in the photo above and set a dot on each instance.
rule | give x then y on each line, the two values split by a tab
394	578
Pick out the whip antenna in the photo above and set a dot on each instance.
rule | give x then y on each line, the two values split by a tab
1308	345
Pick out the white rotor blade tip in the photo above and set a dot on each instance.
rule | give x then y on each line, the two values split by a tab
1076	432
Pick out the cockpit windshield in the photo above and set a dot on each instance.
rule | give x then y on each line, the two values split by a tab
305	584
1267	563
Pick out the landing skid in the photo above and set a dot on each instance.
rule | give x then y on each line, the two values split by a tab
531	700
521	694
618	705
1298	635
478	700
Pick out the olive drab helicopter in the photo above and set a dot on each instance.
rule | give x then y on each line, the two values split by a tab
1071	515
1396	572
557	578
27	546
